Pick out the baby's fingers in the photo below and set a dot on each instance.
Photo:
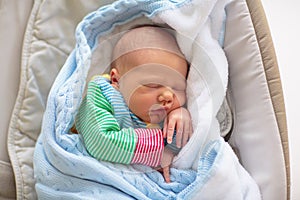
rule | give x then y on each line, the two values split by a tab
186	135
191	129
170	130
188	131
166	174
179	134
165	127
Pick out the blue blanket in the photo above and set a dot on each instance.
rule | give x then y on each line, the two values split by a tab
206	168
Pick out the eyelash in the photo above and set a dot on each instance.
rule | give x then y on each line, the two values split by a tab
156	86
152	85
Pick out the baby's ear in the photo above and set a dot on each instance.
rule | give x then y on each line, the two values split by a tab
114	77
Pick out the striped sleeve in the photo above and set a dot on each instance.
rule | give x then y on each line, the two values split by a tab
105	140
149	147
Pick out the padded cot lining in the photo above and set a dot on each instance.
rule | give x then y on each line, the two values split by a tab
13	20
44	53
272	75
17	147
250	96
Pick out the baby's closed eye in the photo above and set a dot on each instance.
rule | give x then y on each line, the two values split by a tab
152	85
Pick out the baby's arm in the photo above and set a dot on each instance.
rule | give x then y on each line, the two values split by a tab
105	140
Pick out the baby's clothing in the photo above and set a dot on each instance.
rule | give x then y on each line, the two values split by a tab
111	132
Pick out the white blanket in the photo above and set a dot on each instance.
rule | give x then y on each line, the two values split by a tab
206	168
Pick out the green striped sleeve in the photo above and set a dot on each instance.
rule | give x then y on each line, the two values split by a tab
102	135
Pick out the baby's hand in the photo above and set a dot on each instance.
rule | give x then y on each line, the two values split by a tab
179	120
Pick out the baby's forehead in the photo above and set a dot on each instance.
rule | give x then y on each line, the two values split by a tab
153	73
156	60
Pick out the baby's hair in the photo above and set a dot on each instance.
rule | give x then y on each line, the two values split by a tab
164	27
114	60
159	37
165	40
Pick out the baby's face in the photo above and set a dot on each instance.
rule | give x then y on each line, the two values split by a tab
154	83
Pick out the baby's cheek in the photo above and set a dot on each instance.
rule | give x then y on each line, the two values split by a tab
181	99
132	96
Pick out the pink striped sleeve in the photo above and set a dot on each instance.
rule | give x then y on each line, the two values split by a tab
149	147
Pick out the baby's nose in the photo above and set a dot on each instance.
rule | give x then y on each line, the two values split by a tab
166	98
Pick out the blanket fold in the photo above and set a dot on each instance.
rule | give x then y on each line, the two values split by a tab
206	168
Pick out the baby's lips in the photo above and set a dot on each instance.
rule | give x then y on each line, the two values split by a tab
159	108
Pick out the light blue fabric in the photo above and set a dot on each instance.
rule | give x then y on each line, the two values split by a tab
64	170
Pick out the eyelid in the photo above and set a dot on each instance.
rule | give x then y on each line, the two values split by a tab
155	85
152	85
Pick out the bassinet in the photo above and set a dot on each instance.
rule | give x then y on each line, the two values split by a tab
254	93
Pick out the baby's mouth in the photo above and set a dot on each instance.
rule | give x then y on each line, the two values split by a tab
157	110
